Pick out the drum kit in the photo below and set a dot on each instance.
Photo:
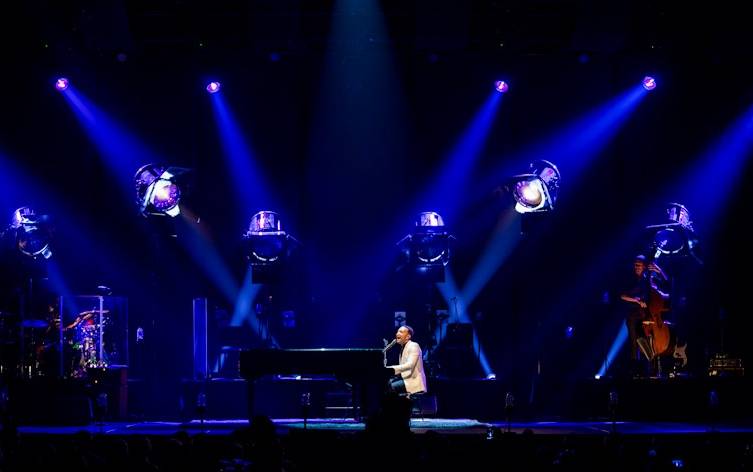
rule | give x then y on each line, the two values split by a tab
87	341
36	343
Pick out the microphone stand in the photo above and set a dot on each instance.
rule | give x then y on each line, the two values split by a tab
387	347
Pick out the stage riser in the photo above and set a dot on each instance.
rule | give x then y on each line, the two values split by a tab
56	405
678	400
276	399
329	399
70	402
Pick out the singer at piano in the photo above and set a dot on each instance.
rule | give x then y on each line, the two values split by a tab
410	377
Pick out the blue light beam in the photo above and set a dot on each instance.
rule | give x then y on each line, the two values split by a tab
614	351
572	148
244	309
455	301
247	178
205	254
444	193
122	152
503	241
709	184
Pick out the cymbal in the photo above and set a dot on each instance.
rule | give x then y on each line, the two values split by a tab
34	323
91	312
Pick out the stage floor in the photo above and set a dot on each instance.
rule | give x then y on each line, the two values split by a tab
418	425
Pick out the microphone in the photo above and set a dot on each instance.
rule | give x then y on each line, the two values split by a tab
387	347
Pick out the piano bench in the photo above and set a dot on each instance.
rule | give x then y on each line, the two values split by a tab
424	404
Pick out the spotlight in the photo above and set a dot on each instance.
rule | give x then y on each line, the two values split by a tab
531	192
430	240
669	241
679	214
537	190
213	87
676	236
267	245
430	221
32	233
649	83
61	84
501	86
267	238
427	249
156	190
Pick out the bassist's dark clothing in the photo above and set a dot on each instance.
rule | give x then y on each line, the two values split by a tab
639	288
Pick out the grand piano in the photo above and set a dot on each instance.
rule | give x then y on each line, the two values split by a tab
362	369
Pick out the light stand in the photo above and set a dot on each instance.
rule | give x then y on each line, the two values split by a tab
713	410
509	405
31	235
306	408
437	319
268	248
100	409
613	402
264	313
425	254
201	407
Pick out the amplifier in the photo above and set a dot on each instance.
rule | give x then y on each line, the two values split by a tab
723	365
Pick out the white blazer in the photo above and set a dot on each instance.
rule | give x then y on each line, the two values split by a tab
411	368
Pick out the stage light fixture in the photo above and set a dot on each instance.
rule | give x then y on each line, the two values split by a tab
267	246
649	83
32	233
427	249
536	190
266	237
213	87
501	86
676	236
156	190
61	84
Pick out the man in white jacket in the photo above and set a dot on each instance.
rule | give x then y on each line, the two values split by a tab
411	367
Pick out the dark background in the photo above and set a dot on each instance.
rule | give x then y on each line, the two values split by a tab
146	65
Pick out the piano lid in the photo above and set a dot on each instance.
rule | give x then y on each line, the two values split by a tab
343	362
328	349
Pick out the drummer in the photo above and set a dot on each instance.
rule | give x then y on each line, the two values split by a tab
86	317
